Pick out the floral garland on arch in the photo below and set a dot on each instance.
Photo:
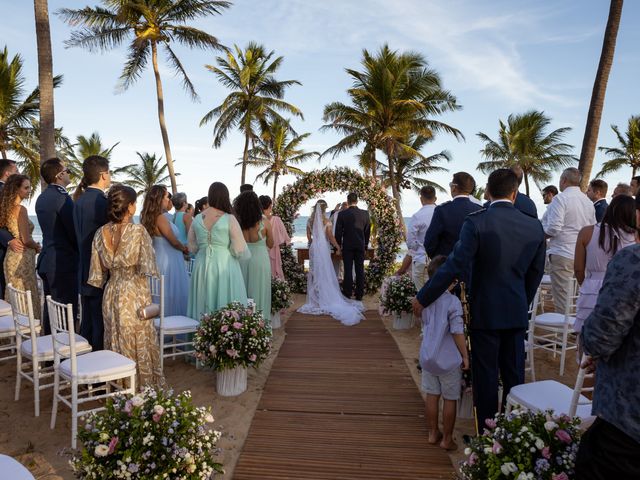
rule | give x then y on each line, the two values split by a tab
381	207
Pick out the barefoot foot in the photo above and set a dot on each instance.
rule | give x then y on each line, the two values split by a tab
434	437
450	445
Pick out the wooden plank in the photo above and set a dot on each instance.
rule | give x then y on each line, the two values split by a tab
340	403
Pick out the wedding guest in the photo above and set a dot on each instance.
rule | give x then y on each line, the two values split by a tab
168	249
443	354
622	189
280	236
256	269
58	261
216	239
548	193
567	214
122	257
181	218
610	448
416	258
20	268
246	187
7	168
189	211
523	202
597	193
89	214
635	185
201	204
595	246
504	252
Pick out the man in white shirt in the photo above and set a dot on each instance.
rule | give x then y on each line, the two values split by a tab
416	258
567	214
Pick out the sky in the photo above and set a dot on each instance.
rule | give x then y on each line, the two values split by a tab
497	57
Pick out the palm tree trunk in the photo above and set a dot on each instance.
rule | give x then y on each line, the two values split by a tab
161	120
526	183
395	191
599	90
275	183
45	80
245	156
374	166
633	168
4	152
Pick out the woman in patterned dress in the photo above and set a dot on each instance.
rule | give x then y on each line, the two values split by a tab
123	253
20	268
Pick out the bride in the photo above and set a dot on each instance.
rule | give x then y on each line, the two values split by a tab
323	292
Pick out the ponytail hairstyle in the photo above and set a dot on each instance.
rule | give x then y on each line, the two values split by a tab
152	208
200	205
92	167
265	201
619	217
118	201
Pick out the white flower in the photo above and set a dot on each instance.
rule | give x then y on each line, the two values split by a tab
158	409
508	468
208	418
104	436
539	444
550	425
467	451
101	450
137	401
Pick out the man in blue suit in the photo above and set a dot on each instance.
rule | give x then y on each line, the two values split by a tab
89	214
7	168
58	261
597	193
505	251
444	229
523	202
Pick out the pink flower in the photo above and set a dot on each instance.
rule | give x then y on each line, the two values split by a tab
112	444
224	328
497	448
545	453
232	353
559	476
237	325
156	417
252	357
563	436
253	332
261	323
128	407
490	422
472	459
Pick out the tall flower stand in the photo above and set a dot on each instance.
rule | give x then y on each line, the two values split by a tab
402	320
231	382
276	320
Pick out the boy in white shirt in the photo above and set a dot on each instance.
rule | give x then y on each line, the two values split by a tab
443	354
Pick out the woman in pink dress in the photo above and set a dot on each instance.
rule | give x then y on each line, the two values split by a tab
596	245
280	236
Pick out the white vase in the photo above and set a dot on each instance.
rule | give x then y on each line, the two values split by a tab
276	321
231	382
403	320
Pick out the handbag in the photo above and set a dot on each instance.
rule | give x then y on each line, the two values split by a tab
149	311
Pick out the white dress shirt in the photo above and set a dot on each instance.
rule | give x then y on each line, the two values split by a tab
418	226
566	215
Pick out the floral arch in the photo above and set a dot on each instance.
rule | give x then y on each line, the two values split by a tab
381	207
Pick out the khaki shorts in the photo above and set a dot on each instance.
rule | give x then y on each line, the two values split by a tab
449	385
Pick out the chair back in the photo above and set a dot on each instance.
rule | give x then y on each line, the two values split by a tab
156	286
23	319
533	311
572	298
63	333
579	389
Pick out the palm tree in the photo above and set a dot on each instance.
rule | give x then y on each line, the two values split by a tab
278	152
151	23
628	154
599	90
45	80
83	148
256	96
394	97
523	141
148	172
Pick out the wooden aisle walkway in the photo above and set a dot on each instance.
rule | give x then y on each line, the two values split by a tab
340	403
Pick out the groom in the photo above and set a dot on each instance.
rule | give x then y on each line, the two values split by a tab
352	234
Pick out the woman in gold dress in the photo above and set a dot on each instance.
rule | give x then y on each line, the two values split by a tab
20	268
123	253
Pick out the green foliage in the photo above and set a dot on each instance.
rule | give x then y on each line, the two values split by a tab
280	295
84	147
397	293
148	172
628	153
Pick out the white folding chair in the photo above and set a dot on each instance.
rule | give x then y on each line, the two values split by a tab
530	361
177	327
556	396
553	330
7	332
101	367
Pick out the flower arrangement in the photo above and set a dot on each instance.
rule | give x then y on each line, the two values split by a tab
231	337
397	294
381	206
154	434
280	295
524	445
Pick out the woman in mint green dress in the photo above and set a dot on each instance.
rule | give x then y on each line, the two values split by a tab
216	238
256	270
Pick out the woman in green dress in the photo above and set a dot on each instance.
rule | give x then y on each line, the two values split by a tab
256	270
217	240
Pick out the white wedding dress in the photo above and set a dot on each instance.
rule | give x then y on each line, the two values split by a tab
323	292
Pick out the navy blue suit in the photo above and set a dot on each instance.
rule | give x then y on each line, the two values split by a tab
526	205
89	214
58	261
444	229
5	238
505	250
601	207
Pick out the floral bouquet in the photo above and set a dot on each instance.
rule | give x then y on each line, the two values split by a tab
155	434
396	297
524	445
234	336
280	295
